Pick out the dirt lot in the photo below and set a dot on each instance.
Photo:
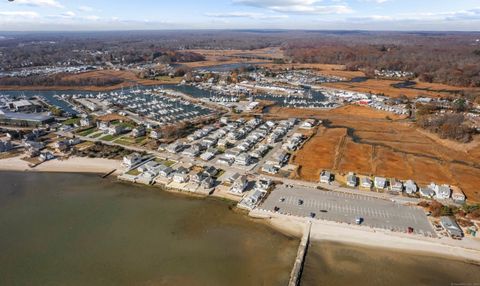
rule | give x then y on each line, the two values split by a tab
365	142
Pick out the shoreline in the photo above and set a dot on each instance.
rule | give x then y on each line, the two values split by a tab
466	250
71	165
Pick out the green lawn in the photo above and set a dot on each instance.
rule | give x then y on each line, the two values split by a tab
167	163
96	135
133	172
124	142
87	132
72	121
108	138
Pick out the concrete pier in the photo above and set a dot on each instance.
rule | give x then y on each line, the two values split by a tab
296	273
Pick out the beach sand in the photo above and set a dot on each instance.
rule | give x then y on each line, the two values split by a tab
71	165
467	249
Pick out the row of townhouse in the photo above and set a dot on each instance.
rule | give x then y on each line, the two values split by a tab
433	190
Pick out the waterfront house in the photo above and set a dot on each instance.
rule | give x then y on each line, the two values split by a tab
380	183
61	145
457	195
366	182
180	177
396	186
198	177
326	177
410	187
211	171
131	160
46	156
232	178
263	184
149	166
208	183
451	226
5	145
254	198
165	171
239	185
352	180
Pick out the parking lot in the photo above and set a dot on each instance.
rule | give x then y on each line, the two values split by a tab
345	208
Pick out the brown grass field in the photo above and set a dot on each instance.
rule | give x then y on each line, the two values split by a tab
361	140
381	86
322	69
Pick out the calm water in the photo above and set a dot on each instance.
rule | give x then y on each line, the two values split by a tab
338	264
65	229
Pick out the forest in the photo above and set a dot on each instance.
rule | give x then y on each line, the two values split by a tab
441	57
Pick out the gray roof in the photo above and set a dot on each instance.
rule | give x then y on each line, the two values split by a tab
25	116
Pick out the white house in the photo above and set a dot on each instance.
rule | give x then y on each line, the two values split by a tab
326	177
380	182
132	160
410	187
366	182
239	185
442	192
179	177
396	186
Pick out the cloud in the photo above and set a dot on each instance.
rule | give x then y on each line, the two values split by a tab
19	14
85	9
376	1
296	6
257	16
462	15
40	3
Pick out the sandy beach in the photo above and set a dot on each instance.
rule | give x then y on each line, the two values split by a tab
467	249
71	165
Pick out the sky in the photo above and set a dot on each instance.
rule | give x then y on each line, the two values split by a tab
68	15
